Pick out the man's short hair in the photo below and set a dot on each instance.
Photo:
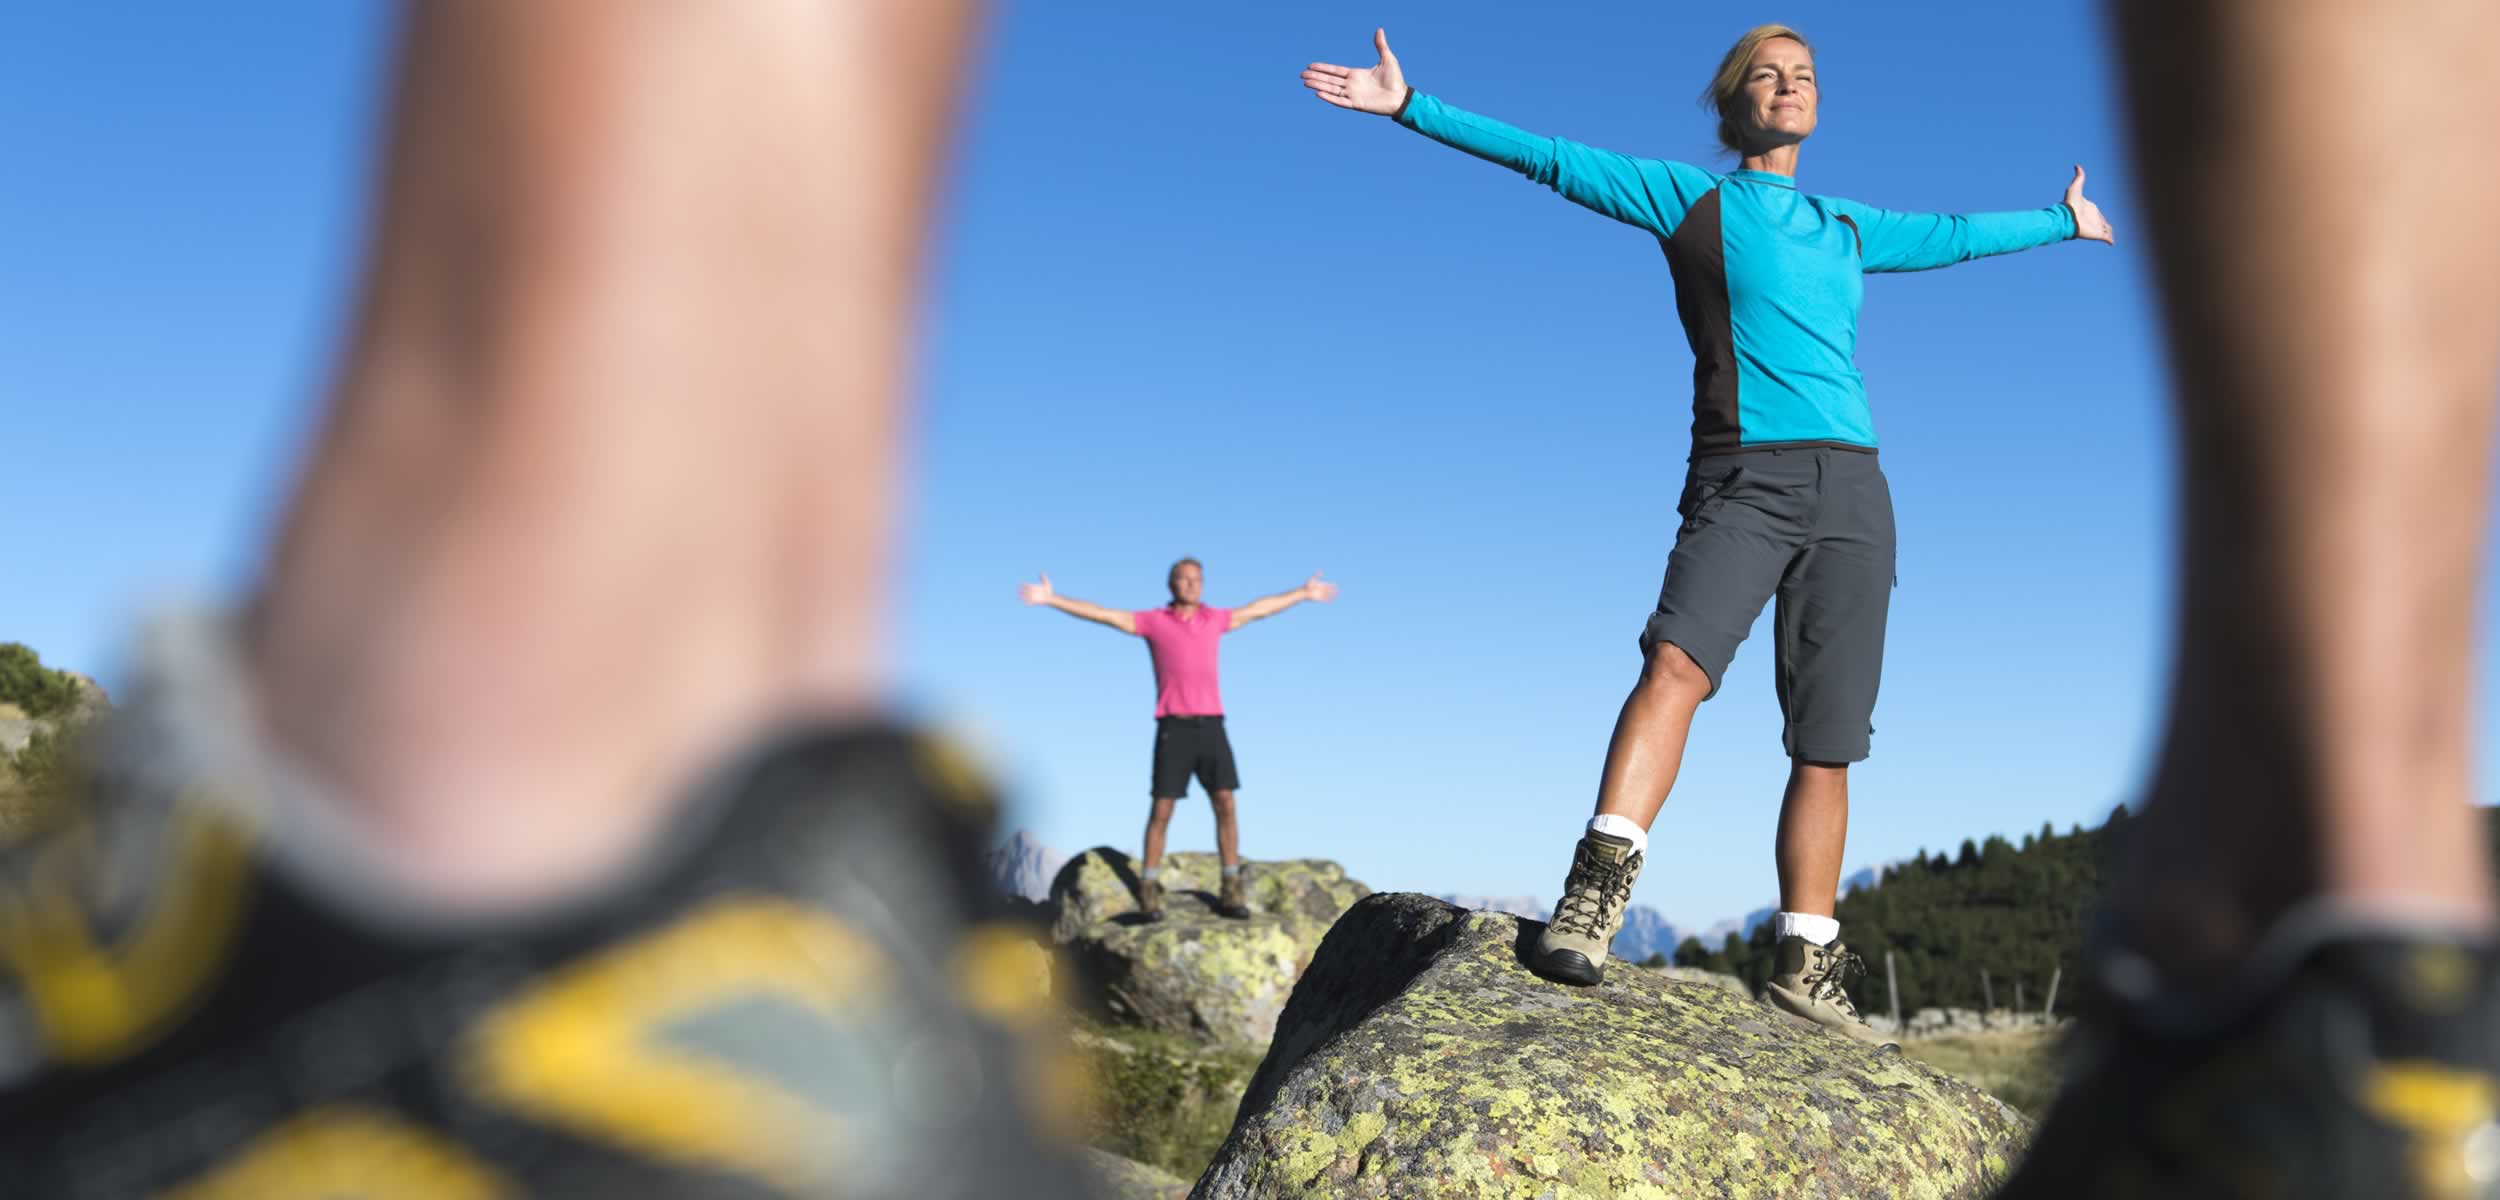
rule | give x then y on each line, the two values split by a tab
1175	572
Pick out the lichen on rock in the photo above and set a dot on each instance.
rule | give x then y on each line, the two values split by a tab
1419	1056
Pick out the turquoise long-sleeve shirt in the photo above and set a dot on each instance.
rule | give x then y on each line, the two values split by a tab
1768	280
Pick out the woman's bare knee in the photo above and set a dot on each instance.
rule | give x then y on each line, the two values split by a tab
1672	673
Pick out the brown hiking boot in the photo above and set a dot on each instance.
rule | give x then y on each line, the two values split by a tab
1150	898
1573	947
1807	983
1234	901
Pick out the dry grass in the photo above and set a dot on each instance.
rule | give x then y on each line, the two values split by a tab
2017	1067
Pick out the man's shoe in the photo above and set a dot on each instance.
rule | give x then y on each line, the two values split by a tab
2355	1063
1573	947
1233	900
188	1007
1810	982
1150	898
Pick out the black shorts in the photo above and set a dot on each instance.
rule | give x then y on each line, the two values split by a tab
1186	746
1813	527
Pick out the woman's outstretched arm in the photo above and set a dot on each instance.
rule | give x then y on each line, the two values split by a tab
1898	241
1651	193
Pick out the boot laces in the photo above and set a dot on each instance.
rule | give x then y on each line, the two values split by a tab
1827	979
1594	890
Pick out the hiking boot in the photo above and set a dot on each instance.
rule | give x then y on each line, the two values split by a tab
1573	947
1150	898
1233	900
2360	1064
814	938
1809	982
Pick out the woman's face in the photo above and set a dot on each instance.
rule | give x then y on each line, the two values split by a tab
1780	95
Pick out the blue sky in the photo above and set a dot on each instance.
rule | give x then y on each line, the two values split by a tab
1185	309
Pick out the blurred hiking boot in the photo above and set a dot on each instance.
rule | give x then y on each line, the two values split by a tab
803	990
1233	899
2353	1063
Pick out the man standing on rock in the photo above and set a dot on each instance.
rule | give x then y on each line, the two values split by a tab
1182	637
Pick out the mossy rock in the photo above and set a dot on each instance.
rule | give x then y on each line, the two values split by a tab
1117	1178
1419	1056
1194	973
1160	1099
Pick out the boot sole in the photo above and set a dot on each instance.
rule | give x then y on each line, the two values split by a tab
1570	966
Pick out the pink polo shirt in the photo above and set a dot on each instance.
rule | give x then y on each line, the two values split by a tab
1184	654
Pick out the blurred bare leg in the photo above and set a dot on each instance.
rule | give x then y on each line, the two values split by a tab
606	483
2331	266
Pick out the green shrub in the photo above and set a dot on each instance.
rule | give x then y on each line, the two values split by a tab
37	783
32	686
1164	1101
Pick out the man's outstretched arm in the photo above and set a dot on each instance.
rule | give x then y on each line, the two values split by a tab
1313	588
1041	593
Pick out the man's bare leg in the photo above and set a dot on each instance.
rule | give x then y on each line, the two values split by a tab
606	481
1647	749
1227	827
1813	837
2336	343
1158	819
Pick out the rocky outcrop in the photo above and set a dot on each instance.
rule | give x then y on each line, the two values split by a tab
1195	973
1419	1057
1117	1178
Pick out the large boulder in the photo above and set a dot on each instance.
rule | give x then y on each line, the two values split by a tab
1419	1056
1195	973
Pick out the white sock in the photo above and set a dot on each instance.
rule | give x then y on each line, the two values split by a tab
1621	827
1819	930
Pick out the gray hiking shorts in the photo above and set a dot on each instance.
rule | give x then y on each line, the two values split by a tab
1812	526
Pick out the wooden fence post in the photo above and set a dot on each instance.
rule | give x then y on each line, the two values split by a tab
1892	988
1987	991
2049	1009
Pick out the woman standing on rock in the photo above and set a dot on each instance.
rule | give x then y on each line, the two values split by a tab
1783	495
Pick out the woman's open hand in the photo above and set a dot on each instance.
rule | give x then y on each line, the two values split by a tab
1379	89
2089	223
